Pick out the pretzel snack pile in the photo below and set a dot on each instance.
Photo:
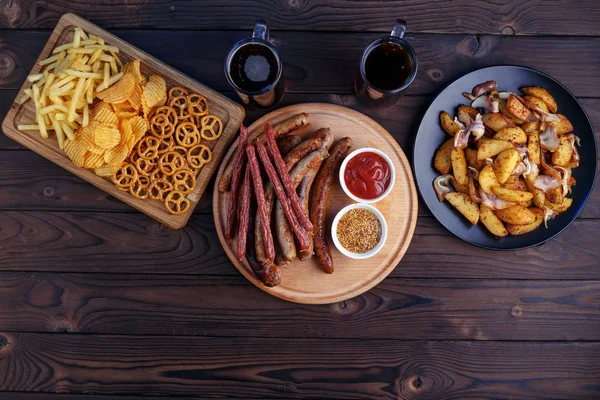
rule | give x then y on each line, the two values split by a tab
166	161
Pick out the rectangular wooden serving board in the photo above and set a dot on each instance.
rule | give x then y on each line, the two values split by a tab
231	113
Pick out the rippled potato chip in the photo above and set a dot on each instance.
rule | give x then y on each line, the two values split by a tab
120	91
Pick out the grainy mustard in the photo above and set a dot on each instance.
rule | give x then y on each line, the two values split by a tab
359	230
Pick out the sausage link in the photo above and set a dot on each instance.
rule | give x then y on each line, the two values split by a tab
244	216
280	192
237	174
283	232
260	200
284	127
318	201
319	139
267	273
287	143
303	194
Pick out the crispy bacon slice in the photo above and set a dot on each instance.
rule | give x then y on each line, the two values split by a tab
546	182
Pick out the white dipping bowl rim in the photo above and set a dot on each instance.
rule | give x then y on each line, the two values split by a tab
343	169
374	250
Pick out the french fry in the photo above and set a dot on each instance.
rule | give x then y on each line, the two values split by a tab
76	95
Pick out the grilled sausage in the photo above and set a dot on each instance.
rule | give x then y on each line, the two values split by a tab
287	143
318	202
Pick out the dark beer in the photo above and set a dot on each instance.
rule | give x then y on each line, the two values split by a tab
254	67
388	66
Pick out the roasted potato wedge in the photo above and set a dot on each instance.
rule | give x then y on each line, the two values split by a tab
513	134
502	106
505	163
522	229
448	124
472	161
442	161
555	195
492	222
487	179
496	121
516	215
564	126
539	198
459	166
516	184
560	207
518	109
463	203
530	127
537	102
466	113
507	194
533	147
562	155
543	95
492	147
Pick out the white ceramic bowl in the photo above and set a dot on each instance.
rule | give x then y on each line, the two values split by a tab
343	170
375	249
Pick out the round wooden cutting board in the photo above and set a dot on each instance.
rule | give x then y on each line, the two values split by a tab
303	281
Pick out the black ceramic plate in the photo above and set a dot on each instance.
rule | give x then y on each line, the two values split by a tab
430	136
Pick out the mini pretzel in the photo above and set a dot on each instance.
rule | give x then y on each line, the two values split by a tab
148	147
197	105
134	156
145	166
176	203
177	91
184	181
181	150
212	127
170	162
167	111
125	176
161	126
139	189
159	189
198	155
179	103
187	134
166	144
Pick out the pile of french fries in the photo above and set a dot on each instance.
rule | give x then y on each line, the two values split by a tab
66	88
509	159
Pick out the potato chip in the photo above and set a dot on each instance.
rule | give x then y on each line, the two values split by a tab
86	135
106	170
76	151
120	91
154	91
133	67
136	98
116	155
126	131
139	127
105	136
106	116
123	114
100	106
92	160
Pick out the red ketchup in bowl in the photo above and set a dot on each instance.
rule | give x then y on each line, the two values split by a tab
367	175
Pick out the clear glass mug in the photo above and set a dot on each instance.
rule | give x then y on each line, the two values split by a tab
253	68
377	64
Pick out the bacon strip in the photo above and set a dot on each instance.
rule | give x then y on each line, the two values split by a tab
280	192
235	181
244	216
286	180
259	192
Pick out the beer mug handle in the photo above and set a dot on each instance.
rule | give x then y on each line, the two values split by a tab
261	31
397	31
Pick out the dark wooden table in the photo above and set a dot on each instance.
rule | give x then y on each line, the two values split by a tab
97	299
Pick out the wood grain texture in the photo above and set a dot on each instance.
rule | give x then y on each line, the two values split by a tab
133	243
225	306
308	368
550	17
320	62
231	115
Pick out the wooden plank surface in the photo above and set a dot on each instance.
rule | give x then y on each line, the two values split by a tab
225	306
132	243
309	368
321	62
548	17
